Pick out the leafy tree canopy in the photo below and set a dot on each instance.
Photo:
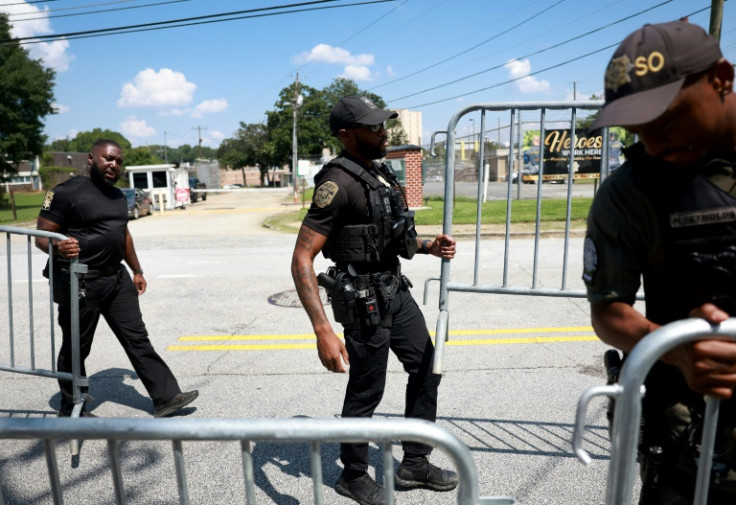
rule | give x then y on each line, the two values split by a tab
84	141
26	98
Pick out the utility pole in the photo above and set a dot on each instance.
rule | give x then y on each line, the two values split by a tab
716	19
574	90
199	137
294	159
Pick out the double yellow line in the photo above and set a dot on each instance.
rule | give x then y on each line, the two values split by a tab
535	336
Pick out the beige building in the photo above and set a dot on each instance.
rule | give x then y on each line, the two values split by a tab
411	121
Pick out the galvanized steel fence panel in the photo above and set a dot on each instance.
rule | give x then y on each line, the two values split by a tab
446	285
628	393
32	368
247	431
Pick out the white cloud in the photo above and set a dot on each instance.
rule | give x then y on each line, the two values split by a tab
164	88
60	108
28	21
520	69
210	106
357	73
576	95
217	135
138	128
54	54
326	53
390	71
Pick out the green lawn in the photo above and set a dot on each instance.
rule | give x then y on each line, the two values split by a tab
27	206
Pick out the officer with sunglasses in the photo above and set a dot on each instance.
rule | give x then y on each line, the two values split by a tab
360	221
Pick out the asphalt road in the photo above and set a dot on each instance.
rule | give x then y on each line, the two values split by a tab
222	311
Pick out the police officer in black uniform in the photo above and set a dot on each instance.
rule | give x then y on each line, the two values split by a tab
93	213
359	219
668	217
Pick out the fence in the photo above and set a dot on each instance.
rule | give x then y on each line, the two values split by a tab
514	110
246	431
32	369
18	203
627	416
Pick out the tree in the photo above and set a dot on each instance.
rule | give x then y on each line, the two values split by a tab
26	97
84	141
143	155
247	149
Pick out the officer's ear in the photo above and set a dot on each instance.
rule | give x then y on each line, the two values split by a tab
723	75
344	135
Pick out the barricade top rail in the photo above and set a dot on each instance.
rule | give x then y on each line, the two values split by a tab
628	393
298	430
34	233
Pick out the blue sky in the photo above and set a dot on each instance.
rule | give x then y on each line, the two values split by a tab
171	84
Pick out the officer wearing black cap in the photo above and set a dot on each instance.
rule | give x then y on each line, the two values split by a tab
360	221
93	213
667	218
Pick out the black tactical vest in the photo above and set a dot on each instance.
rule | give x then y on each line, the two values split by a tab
699	232
390	229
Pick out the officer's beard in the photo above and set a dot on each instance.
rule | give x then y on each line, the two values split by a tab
99	177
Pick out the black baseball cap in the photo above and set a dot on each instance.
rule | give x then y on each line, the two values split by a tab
649	68
352	110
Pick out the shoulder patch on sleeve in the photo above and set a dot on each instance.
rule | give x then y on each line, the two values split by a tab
324	194
47	200
590	259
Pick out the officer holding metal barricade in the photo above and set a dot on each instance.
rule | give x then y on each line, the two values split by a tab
667	217
93	213
360	221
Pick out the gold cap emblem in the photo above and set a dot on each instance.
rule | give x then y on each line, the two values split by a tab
617	73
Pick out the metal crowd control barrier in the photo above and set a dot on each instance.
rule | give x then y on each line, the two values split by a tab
628	393
246	431
514	110
76	268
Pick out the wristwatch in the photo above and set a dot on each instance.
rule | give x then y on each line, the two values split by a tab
137	271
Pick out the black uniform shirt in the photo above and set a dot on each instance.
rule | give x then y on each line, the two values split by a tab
96	217
339	199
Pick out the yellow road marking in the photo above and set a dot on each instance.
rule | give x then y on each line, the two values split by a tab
313	345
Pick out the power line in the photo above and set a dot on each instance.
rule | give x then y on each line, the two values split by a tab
534	73
99	11
476	46
69	8
535	53
191	21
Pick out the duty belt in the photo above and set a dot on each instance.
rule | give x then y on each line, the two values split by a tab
94	273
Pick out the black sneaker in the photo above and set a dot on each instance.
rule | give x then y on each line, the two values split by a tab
426	475
177	402
363	490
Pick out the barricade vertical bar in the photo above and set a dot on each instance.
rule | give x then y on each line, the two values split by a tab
10	302
181	476
53	467
30	305
316	466
510	170
250	493
705	461
540	184
388	472
113	451
2	500
479	206
52	326
570	172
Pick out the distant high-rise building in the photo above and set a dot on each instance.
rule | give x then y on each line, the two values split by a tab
411	122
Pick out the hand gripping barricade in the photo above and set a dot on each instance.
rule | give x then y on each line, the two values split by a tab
119	432
628	393
75	268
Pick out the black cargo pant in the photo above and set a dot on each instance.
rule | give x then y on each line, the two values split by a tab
115	298
368	350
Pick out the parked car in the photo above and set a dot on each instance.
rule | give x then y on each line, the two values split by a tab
195	183
233	186
139	202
